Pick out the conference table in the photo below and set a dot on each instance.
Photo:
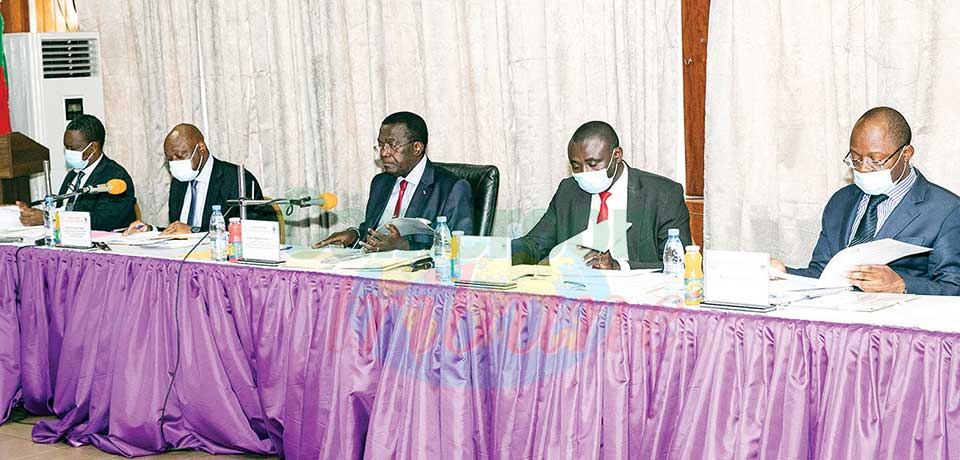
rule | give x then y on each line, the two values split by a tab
138	352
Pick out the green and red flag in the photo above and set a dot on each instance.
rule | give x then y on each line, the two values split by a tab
4	91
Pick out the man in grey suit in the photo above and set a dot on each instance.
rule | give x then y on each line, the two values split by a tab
409	186
890	199
604	189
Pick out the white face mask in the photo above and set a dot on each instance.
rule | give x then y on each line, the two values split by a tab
182	170
878	182
74	158
594	182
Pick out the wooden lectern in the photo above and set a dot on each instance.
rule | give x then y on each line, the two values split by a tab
20	157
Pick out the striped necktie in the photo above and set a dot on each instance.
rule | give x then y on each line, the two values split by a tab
868	224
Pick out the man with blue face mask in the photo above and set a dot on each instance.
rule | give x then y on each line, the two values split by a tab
890	199
604	189
83	152
200	181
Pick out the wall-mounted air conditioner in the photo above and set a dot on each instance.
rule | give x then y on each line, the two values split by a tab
53	77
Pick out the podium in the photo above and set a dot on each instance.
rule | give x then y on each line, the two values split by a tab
20	157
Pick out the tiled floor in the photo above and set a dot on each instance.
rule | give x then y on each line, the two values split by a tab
15	444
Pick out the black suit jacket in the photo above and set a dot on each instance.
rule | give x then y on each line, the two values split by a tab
107	212
223	186
655	204
439	193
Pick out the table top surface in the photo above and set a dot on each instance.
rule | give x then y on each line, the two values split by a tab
930	313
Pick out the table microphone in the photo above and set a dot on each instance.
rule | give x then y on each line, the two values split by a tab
326	201
112	186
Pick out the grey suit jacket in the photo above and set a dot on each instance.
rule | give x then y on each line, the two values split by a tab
929	215
655	204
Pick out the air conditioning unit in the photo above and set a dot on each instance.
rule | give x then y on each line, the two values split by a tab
53	77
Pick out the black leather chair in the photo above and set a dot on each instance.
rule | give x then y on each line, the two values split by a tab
485	182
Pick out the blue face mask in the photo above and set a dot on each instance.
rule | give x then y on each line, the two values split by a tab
74	158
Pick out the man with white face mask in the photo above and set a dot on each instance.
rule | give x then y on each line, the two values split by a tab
83	152
605	189
890	199
200	181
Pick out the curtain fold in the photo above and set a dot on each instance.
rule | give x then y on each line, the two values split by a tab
296	90
787	80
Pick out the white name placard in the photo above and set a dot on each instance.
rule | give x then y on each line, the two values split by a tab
261	240
75	229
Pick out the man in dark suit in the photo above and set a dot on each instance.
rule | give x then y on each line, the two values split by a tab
604	188
83	144
409	186
200	181
890	199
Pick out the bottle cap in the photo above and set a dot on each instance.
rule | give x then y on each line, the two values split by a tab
457	233
673	232
442	219
234	220
693	248
216	207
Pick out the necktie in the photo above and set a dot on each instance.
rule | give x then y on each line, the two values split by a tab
604	212
868	224
396	209
76	188
193	204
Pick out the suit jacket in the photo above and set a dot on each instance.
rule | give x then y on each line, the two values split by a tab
439	193
223	186
928	215
655	204
107	212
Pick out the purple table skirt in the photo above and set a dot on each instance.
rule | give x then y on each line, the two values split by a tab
321	366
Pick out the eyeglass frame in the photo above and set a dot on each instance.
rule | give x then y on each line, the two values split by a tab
389	147
849	161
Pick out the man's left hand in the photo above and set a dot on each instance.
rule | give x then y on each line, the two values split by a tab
383	242
177	228
876	278
600	260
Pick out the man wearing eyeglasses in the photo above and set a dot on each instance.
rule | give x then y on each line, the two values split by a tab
890	199
409	186
200	181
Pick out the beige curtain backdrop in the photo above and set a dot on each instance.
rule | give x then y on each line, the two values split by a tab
786	80
296	90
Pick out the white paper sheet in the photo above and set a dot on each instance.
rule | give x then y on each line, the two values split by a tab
10	217
261	240
408	226
569	255
75	229
879	252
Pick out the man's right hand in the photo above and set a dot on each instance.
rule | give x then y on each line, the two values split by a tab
346	238
30	217
777	265
136	227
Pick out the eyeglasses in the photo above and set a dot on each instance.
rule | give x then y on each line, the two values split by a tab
390	147
869	164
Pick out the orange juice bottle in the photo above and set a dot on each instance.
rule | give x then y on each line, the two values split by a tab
693	276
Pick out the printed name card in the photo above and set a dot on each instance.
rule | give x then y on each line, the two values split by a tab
75	229
261	240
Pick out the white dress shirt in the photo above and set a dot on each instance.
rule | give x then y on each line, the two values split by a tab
617	215
413	180
203	183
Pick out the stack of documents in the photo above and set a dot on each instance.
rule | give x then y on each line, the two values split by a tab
150	240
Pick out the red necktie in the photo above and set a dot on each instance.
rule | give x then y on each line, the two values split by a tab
603	214
396	209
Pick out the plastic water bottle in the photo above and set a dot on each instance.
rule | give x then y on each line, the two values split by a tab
442	250
218	236
673	261
49	222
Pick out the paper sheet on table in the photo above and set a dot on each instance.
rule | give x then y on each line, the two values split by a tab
879	252
151	239
569	256
325	258
408	226
855	301
29	234
10	217
381	261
